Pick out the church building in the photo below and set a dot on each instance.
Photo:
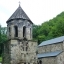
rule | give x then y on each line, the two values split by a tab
51	51
19	48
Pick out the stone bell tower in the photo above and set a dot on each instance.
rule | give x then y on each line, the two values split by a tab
20	48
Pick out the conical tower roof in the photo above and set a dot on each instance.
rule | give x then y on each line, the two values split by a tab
19	14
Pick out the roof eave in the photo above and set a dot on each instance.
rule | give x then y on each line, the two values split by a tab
18	19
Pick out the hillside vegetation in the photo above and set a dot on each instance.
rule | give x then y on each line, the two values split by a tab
49	29
3	38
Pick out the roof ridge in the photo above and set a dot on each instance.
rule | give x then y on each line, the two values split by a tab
19	13
49	54
52	41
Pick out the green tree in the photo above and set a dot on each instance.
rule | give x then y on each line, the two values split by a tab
0	33
50	29
3	38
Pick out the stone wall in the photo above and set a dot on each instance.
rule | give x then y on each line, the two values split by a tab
32	51
60	58
15	52
20	51
50	48
48	60
20	24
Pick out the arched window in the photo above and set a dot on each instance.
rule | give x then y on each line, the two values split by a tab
26	48
30	32
24	31
16	31
9	31
23	48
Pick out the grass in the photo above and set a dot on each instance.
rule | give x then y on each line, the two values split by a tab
0	59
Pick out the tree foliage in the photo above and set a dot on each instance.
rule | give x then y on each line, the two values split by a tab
3	38
49	29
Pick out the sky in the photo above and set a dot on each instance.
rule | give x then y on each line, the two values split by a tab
38	11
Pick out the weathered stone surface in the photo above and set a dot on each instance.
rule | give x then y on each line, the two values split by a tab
20	24
48	60
50	48
20	52
60	58
20	49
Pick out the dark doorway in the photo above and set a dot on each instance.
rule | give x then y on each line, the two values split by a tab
25	63
24	31
40	62
16	31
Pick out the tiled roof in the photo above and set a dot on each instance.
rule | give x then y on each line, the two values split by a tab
49	54
52	41
19	14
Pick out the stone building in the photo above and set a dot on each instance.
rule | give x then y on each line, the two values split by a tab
51	51
20	48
